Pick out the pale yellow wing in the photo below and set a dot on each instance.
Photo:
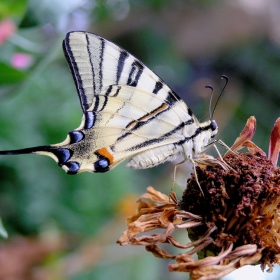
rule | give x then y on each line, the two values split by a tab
128	112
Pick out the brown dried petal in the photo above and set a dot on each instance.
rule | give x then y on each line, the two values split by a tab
243	250
162	213
159	253
155	211
211	268
154	196
274	144
217	271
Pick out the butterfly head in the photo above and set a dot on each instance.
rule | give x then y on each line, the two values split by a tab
208	130
213	128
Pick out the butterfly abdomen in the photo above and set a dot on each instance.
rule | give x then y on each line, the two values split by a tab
155	156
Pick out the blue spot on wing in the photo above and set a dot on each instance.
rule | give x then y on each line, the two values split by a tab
102	165
62	155
73	167
90	118
76	136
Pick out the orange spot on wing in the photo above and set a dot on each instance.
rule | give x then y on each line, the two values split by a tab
105	153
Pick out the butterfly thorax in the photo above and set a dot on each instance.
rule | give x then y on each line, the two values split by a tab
201	138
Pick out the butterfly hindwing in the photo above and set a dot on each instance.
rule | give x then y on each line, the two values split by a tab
128	121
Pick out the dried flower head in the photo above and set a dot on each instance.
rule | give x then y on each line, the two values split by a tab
236	222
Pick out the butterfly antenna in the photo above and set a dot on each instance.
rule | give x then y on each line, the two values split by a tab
210	103
226	78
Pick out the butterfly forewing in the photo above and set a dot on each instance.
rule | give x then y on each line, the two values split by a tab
97	63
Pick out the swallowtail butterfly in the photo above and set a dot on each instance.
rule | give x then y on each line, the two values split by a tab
128	113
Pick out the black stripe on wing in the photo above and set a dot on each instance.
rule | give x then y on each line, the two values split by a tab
92	67
172	97
166	135
101	57
121	62
135	73
75	72
158	87
136	124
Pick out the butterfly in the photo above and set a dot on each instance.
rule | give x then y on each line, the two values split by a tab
128	113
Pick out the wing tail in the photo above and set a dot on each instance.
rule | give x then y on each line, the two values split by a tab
59	154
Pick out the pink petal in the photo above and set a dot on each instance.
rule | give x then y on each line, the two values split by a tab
21	60
274	144
246	134
7	29
253	148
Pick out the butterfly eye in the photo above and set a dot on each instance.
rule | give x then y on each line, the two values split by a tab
213	125
101	165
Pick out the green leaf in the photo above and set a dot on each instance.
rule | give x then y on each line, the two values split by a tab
3	232
10	75
12	8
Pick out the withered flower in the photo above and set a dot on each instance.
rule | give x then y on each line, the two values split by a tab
235	222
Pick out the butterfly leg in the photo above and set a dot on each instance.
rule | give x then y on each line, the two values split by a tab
220	156
227	147
174	173
175	168
212	144
228	150
195	175
222	144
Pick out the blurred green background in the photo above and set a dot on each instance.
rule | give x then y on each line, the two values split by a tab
65	227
